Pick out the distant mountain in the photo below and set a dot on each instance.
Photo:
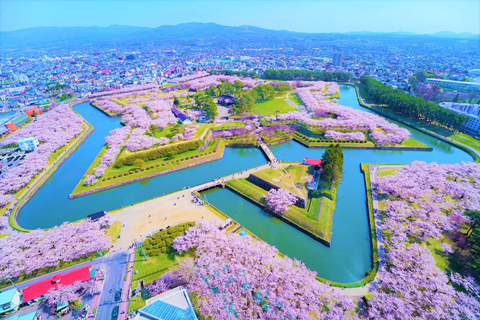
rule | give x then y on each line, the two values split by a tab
186	33
449	34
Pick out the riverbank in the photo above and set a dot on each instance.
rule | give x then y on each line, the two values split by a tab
475	154
311	223
54	164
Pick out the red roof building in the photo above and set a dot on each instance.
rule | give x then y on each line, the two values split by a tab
29	112
312	162
59	280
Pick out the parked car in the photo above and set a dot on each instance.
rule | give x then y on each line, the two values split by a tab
115	313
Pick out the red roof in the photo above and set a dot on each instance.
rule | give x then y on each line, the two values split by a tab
40	288
313	162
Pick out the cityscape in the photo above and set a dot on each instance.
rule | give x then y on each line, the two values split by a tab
164	166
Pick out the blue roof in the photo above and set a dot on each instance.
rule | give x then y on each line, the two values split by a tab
163	311
28	316
180	115
7	296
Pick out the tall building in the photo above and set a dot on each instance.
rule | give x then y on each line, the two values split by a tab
456	85
471	111
337	59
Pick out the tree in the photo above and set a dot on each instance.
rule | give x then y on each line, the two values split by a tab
279	199
474	221
138	163
211	110
241	278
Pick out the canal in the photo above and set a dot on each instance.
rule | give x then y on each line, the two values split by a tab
349	257
346	260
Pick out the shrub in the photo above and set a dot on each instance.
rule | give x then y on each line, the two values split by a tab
139	163
137	170
109	178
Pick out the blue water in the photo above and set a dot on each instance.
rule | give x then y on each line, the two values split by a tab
51	206
348	258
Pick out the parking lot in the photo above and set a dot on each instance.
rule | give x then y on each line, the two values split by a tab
10	160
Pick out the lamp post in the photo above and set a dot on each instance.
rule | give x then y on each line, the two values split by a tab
8	277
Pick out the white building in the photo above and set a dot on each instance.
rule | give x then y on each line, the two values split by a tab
455	85
173	304
28	144
471	111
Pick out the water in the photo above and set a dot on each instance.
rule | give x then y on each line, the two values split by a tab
51	206
348	258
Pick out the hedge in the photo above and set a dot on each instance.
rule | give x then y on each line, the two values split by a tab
158	153
162	241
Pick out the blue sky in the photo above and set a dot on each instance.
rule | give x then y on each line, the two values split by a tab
305	16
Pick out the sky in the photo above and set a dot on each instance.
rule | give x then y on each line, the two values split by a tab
419	16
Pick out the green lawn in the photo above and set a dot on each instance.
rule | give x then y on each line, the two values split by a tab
386	172
3	235
229	125
466	140
412	143
159	165
309	220
291	178
114	231
151	270
273	107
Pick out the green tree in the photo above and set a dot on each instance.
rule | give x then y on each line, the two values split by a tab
474	221
138	163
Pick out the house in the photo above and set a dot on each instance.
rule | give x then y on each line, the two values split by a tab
170	305
182	117
97	215
9	301
312	162
17	122
30	111
40	288
28	144
28	316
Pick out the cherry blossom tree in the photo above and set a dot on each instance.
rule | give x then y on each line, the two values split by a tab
241	278
279	199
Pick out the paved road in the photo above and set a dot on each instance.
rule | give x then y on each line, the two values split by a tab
115	266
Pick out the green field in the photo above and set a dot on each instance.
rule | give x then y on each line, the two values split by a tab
114	231
273	107
229	125
412	143
150	167
318	220
290	179
466	140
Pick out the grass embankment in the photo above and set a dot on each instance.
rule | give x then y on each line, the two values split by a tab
467	140
229	125
317	220
114	231
157	166
273	107
295	99
291	178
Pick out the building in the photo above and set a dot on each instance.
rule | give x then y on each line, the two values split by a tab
474	73
40	288
171	305
455	85
471	111
17	122
182	117
337	59
30	111
28	144
28	316
312	162
9	301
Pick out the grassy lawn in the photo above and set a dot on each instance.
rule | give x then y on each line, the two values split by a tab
114	231
273	107
151	270
466	140
3	235
290	178
229	125
159	165
309	220
412	143
327	207
387	172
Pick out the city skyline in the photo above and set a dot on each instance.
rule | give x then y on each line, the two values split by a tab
423	17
